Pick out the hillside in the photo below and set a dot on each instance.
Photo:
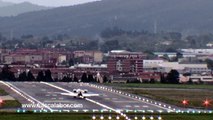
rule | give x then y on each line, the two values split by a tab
186	16
3	3
16	9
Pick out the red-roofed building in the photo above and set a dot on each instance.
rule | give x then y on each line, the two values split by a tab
126	62
43	57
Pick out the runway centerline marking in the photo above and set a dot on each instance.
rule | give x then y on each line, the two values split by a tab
58	101
90	100
126	101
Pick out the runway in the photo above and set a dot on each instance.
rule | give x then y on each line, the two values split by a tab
48	96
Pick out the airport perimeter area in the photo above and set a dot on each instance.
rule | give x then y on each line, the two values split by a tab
44	99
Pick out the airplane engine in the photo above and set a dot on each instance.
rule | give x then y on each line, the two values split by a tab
75	91
85	91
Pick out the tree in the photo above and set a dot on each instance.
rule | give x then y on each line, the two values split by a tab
170	49
190	81
192	40
46	38
30	76
63	62
40	76
111	32
84	78
1	37
23	76
90	78
173	77
6	74
110	45
150	55
71	62
152	80
209	63
75	79
56	79
92	45
179	55
175	35
27	37
165	56
69	79
105	79
163	79
64	79
48	76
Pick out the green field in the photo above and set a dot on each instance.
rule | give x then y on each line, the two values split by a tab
133	88
62	116
44	117
175	97
158	85
172	94
2	92
187	117
8	103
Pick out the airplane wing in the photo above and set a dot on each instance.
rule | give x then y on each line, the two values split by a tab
90	95
69	94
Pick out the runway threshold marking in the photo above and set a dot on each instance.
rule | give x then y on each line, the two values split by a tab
20	92
57	101
17	92
90	100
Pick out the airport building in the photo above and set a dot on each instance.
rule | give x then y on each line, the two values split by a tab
165	67
89	56
125	62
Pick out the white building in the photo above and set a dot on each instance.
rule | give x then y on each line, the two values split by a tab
151	65
90	66
196	79
196	68
184	68
169	54
161	66
209	44
62	58
198	51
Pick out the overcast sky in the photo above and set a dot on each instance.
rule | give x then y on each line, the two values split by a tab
53	2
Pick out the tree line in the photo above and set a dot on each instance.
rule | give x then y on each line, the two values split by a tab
171	78
112	38
46	76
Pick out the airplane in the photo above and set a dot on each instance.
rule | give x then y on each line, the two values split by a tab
79	93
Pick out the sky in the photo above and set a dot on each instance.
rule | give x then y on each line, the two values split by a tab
54	3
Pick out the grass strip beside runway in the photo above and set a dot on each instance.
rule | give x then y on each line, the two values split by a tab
63	116
172	93
159	85
8	103
2	92
174	96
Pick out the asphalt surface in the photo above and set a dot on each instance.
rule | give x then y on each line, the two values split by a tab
113	99
109	99
49	95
